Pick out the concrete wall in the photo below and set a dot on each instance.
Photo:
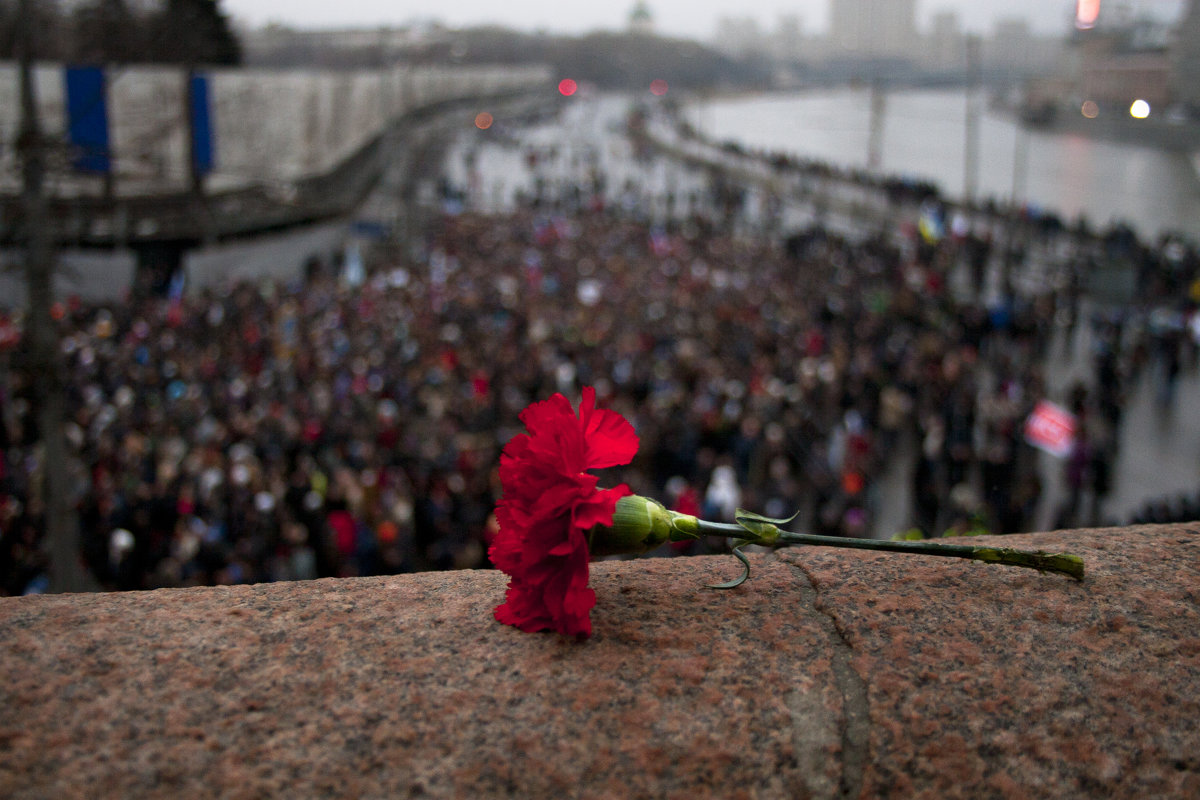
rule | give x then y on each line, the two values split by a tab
106	276
276	256
270	127
88	274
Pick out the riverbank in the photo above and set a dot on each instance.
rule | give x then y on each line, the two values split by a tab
922	136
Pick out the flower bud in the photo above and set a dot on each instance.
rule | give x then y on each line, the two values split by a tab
639	524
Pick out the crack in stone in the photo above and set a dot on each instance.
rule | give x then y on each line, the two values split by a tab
855	709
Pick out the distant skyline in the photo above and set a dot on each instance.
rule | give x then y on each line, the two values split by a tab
694	19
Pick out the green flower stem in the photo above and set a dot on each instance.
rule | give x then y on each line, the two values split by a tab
641	524
1062	563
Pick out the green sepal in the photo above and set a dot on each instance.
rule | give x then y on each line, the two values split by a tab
910	535
639	524
765	529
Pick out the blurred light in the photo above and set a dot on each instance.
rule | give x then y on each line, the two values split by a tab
1140	109
1090	109
1086	13
658	87
388	532
483	120
567	87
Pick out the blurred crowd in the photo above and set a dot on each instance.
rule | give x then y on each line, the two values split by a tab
332	426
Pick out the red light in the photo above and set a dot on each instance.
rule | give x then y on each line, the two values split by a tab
483	120
658	87
1086	14
567	87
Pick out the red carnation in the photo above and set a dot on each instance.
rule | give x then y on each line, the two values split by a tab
549	504
552	517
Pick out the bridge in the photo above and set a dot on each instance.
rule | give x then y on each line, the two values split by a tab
283	148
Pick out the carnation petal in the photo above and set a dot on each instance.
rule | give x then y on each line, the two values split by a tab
609	438
505	552
599	508
555	434
519	612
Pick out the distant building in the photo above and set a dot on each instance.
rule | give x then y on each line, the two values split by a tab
945	44
743	37
1184	57
1014	52
1120	79
874	29
738	36
280	46
1122	61
787	40
640	18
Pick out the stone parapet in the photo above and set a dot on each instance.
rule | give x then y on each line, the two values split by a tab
830	673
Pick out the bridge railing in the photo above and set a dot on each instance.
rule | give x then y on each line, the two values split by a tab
827	674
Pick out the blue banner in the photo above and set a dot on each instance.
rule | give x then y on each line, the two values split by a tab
87	119
202	138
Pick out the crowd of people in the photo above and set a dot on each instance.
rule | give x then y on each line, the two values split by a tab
330	426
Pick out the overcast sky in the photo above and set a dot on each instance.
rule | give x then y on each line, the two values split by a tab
691	18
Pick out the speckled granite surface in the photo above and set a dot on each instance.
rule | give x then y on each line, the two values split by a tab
830	673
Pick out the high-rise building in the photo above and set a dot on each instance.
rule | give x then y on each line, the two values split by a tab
874	28
738	36
787	40
945	44
1014	50
1184	55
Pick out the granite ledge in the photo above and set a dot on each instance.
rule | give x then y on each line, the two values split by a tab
831	673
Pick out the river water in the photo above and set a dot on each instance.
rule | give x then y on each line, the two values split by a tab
924	136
